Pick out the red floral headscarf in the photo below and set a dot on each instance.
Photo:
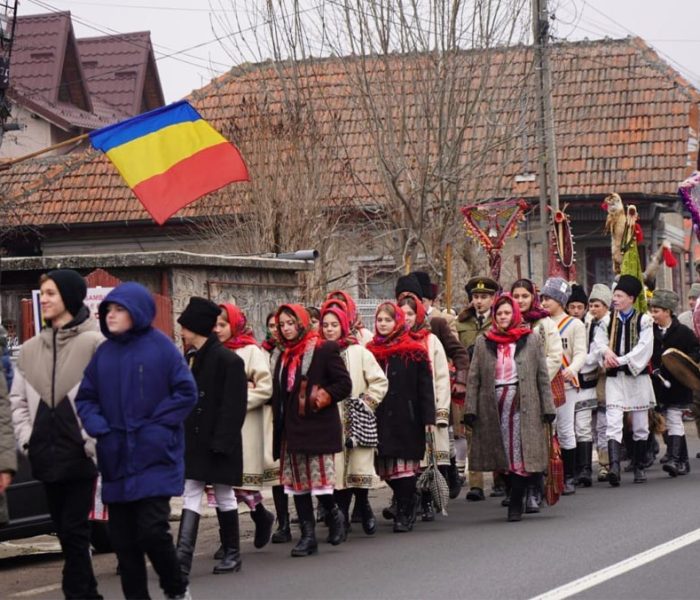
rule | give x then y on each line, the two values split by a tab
338	309
241	333
536	311
421	329
293	350
515	330
398	342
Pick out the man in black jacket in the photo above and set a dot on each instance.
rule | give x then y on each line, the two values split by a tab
213	446
672	396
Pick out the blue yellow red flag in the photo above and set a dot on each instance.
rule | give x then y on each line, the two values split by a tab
170	157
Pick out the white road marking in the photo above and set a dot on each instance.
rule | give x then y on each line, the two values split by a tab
633	562
37	591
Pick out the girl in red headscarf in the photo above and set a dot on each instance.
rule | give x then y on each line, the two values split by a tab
509	401
354	466
309	379
361	333
408	409
414	311
233	332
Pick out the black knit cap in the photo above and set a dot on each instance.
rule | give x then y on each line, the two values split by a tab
72	287
409	283
425	284
199	316
578	294
630	285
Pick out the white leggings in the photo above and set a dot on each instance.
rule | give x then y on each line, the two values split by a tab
192	498
583	425
614	418
601	425
565	421
674	422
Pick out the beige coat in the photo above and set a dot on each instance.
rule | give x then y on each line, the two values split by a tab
355	467
257	369
443	399
487	452
8	454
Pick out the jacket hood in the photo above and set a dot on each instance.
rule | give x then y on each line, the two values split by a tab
137	300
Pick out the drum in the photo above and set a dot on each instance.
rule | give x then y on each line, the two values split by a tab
682	367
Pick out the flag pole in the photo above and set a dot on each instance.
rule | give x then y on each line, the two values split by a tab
6	164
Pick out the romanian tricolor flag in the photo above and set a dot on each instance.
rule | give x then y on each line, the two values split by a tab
170	157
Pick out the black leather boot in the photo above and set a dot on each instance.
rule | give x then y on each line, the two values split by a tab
231	562
428	510
219	554
517	492
640	457
283	533
673	451
389	513
404	509
307	545
369	522
683	462
336	526
264	520
186	540
343	498
584	463
454	479
569	458
356	516
614	457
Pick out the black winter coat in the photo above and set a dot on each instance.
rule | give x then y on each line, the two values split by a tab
213	448
407	408
681	337
314	433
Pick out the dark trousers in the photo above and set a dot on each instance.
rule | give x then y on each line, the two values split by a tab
141	528
69	505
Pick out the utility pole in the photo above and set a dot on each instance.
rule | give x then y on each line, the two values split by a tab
546	146
8	18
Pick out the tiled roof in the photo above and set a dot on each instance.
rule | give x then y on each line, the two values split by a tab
116	67
625	122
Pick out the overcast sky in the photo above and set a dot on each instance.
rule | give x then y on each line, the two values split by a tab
672	27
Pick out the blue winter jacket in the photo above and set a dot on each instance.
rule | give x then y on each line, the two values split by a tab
134	398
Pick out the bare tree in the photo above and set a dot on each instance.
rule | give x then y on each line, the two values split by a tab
427	83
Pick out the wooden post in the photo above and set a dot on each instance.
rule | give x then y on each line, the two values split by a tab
518	267
448	276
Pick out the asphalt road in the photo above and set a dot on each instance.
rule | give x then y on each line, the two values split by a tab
472	553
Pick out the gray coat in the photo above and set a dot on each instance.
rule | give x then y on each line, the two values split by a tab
8	454
487	452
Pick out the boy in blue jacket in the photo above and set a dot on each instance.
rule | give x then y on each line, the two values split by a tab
135	396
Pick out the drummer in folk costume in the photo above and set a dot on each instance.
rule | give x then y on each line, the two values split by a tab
671	395
414	312
625	349
354	465
234	333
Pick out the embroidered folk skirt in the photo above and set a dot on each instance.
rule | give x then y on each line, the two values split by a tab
304	473
271	467
508	398
394	468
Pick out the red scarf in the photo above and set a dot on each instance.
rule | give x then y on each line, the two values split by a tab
398	342
293	350
515	330
350	308
337	309
241	333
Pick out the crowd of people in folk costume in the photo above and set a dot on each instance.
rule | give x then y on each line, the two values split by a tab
324	407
